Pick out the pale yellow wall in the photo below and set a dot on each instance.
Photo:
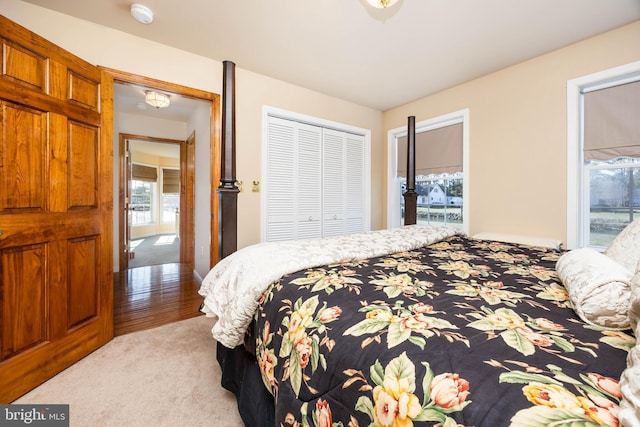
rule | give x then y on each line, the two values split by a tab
117	50
517	119
518	133
256	91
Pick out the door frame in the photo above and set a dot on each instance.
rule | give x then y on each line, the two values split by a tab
186	199
122	77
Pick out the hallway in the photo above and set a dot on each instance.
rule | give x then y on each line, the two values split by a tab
150	296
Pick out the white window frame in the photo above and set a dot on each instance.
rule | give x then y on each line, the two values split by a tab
577	191
393	187
268	111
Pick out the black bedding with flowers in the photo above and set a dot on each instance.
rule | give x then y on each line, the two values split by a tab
461	332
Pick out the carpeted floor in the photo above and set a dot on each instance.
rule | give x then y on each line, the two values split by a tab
155	250
167	376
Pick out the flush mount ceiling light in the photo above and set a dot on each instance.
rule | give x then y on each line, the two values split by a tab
141	13
157	99
381	4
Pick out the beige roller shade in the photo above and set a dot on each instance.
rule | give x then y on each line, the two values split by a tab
170	180
144	173
437	151
612	122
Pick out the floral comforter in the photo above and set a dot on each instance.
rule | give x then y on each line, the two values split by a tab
461	332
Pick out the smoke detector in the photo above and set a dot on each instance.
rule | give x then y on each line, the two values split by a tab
141	13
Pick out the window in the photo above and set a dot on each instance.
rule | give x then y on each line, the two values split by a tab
604	156
440	173
170	194
614	197
141	205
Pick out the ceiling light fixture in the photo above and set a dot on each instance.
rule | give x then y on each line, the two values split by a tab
157	99
381	4
141	13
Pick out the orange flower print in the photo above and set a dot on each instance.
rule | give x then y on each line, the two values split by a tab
323	414
267	361
303	347
548	324
608	385
603	415
495	285
422	308
330	314
449	390
416	322
535	338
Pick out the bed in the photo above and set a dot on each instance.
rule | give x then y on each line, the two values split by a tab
422	325
419	325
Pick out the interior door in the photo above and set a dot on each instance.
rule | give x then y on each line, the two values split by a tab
56	196
125	219
187	200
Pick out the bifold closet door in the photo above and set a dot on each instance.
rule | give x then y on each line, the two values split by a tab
314	181
292	180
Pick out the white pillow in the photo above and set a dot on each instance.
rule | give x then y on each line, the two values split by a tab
625	248
629	413
599	288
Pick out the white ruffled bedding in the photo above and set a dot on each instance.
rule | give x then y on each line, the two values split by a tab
605	290
232	289
599	288
629	414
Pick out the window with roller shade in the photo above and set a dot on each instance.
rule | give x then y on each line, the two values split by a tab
143	187
439	173
611	160
170	194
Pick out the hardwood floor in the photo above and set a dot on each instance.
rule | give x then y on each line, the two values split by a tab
146	297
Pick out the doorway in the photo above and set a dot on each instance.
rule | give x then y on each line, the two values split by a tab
153	193
150	296
192	111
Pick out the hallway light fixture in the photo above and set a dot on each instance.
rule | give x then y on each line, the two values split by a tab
141	13
157	99
381	4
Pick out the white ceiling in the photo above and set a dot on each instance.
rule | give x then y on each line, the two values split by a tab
379	58
130	99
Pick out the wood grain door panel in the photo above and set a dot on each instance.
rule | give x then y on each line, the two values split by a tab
56	197
23	311
22	158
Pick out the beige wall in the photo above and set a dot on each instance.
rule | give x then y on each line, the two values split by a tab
517	119
518	133
255	91
117	50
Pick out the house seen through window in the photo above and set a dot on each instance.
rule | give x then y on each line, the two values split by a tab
440	198
439	172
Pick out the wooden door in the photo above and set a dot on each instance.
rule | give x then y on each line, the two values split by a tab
125	218
187	200
56	284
